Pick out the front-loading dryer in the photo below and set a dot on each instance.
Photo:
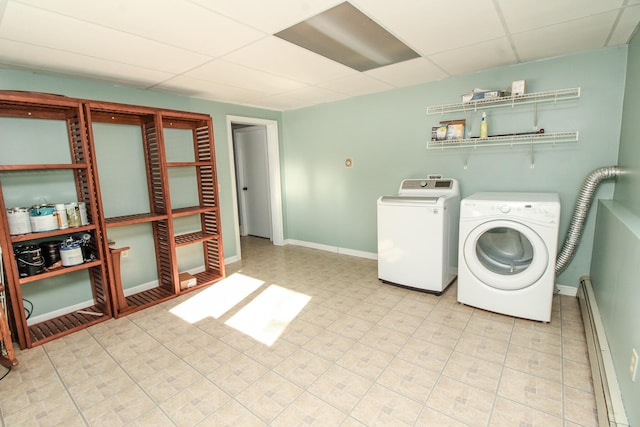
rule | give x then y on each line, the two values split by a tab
507	253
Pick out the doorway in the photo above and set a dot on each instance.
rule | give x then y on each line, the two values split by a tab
252	180
264	155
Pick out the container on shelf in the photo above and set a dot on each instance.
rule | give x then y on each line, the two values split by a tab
19	222
43	218
29	259
61	213
73	214
82	209
51	253
71	253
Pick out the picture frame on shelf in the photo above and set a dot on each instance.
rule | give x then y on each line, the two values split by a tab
455	129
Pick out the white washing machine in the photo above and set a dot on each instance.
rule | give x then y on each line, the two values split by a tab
507	253
418	234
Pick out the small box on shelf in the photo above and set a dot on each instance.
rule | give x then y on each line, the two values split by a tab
187	280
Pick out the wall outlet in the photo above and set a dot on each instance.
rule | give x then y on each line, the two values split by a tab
125	254
633	366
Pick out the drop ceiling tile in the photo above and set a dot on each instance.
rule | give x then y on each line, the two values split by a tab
300	98
53	61
174	22
626	26
279	57
358	84
208	90
277	102
436	26
231	74
269	16
66	34
573	36
481	56
408	73
525	15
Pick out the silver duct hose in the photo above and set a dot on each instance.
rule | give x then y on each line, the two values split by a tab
580	211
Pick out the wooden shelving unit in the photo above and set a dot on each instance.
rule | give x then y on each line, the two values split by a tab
27	105
152	123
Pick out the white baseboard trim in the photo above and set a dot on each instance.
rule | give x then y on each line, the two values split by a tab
334	249
567	290
231	259
82	305
60	312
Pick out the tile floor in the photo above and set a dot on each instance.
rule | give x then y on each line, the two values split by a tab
359	353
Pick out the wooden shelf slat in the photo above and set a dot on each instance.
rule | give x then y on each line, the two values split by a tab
119	221
41	166
189	238
63	325
53	233
192	210
60	271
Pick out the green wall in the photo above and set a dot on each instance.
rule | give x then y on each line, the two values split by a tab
386	135
614	270
26	189
27	81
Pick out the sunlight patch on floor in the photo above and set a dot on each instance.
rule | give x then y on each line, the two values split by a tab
216	300
267	316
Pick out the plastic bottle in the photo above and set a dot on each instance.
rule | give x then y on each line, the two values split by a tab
483	126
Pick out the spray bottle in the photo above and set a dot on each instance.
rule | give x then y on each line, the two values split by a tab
483	126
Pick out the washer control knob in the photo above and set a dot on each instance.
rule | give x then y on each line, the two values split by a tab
423	183
505	208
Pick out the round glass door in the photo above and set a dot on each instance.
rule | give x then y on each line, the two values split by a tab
505	255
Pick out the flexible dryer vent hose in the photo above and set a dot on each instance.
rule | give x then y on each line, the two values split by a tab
580	211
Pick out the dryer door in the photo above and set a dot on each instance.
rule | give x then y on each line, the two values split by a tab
505	254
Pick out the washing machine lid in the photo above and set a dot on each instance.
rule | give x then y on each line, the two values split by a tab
505	254
409	200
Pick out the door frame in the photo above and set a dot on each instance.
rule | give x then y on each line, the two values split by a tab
275	188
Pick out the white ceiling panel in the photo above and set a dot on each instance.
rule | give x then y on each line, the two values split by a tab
71	64
269	16
284	59
626	25
355	85
573	36
176	23
408	73
75	36
481	56
525	15
209	90
225	50
228	73
436	26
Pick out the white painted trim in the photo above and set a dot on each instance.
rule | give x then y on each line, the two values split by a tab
273	154
60	312
334	249
127	292
567	290
231	259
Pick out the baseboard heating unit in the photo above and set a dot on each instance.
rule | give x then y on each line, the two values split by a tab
605	383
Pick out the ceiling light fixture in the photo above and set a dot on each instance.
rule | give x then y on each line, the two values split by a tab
346	35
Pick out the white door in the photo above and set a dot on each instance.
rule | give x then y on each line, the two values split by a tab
253	181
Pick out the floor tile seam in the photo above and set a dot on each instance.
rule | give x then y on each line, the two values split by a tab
500	377
285	407
433	408
125	371
441	372
67	391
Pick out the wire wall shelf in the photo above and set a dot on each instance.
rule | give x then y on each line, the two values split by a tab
529	98
502	141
